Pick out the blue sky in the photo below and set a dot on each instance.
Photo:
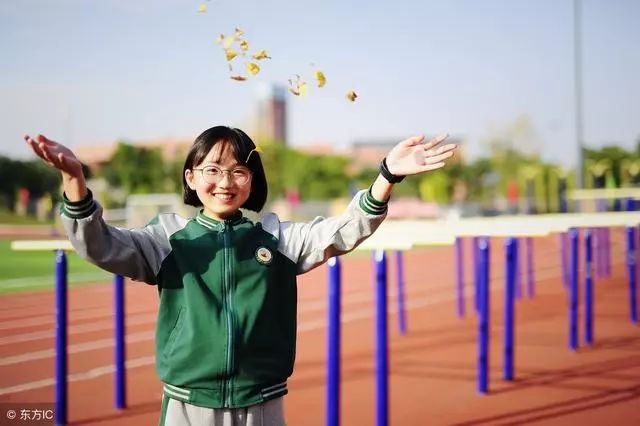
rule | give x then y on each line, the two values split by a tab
87	72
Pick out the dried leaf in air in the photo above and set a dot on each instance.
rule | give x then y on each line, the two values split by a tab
351	96
300	90
228	41
230	54
239	33
261	55
320	78
252	68
304	89
238	77
220	39
244	45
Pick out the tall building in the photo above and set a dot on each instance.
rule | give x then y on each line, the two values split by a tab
271	115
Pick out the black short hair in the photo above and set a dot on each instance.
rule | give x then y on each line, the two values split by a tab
241	145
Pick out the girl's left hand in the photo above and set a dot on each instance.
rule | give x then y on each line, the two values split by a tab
413	156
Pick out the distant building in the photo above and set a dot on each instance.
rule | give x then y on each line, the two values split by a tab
270	122
95	156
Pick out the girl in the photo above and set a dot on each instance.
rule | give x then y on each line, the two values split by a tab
226	329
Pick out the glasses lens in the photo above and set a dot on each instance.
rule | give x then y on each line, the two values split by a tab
240	176
212	174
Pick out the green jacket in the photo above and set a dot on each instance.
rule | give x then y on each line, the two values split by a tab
226	329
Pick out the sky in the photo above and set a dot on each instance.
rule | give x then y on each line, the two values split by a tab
88	72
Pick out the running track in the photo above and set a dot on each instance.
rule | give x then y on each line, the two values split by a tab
432	368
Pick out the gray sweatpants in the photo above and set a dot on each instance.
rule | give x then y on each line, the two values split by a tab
178	413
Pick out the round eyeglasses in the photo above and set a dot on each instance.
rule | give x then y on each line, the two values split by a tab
212	174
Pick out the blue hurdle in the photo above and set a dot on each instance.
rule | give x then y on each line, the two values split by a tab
333	344
61	332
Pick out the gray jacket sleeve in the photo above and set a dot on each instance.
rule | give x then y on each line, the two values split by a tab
135	253
311	244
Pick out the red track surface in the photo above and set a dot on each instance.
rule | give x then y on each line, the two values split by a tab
433	367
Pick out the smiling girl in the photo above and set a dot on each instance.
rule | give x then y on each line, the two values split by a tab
226	329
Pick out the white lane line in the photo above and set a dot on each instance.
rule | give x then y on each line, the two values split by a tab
148	360
353	298
49	319
77	377
302	328
77	348
77	329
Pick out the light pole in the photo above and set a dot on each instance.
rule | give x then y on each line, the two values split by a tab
577	68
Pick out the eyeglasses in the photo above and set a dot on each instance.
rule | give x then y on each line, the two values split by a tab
212	174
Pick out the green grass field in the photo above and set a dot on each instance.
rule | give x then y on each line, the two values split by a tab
10	218
22	271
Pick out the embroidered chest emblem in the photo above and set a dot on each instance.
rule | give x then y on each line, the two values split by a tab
264	255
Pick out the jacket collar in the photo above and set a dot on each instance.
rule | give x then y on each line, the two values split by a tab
217	225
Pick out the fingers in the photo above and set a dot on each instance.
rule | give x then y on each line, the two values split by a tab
34	146
44	148
435	141
441	150
44	139
434	159
431	167
413	140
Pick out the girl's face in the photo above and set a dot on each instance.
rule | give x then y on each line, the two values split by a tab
221	183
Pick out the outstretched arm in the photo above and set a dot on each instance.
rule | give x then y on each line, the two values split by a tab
135	253
311	244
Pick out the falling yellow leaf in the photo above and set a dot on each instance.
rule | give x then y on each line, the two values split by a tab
351	96
252	68
244	45
230	54
258	148
261	55
320	78
300	90
303	89
228	41
202	8
239	33
295	86
238	77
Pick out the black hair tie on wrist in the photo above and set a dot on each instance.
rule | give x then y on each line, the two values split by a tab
390	177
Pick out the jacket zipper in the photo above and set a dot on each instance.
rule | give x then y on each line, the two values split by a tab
228	292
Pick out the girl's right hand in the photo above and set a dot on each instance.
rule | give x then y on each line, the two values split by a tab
56	155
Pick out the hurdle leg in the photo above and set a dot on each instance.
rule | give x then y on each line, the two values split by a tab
120	349
573	290
588	288
333	346
61	402
402	314
382	350
509	304
459	255
483	318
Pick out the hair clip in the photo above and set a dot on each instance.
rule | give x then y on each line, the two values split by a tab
256	149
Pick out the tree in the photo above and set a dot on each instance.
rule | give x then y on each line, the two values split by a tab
137	170
436	188
38	178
